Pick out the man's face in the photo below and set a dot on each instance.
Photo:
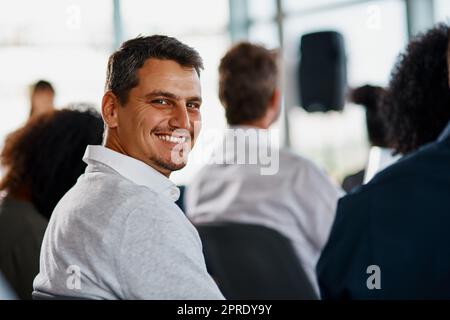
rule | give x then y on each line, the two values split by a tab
156	125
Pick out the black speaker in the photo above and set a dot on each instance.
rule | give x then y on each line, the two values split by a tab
322	71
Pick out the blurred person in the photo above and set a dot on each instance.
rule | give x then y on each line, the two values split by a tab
42	161
42	98
118	233
416	117
298	200
380	154
390	237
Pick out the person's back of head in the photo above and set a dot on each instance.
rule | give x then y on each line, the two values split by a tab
43	159
370	97
416	106
248	82
43	85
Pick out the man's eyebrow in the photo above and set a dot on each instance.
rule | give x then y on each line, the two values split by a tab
160	93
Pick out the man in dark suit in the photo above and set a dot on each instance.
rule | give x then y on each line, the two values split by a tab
391	237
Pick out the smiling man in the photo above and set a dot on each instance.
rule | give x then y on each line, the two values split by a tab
117	234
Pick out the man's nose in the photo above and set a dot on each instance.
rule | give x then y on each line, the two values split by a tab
180	117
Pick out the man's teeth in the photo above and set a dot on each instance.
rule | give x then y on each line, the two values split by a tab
173	139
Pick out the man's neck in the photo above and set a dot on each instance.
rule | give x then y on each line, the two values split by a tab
115	145
254	124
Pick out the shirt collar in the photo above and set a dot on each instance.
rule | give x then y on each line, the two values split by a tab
446	133
134	170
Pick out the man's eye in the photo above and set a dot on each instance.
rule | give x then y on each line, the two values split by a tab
193	105
160	101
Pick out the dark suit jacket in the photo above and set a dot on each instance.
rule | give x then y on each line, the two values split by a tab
22	229
400	221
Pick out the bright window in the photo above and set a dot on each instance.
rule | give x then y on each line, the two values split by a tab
442	11
375	33
296	5
65	42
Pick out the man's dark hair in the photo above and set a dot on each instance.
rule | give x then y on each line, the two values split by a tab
43	159
123	64
370	97
248	76
42	85
416	106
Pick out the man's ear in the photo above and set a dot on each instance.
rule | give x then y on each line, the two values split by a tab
275	100
275	105
110	109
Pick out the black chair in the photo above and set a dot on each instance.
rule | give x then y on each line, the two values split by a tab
180	201
253	262
37	295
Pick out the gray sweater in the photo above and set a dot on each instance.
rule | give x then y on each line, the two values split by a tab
112	238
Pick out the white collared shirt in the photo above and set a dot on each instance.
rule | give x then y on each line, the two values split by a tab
299	200
134	170
117	234
379	159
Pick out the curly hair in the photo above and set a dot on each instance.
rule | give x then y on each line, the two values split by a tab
43	159
416	106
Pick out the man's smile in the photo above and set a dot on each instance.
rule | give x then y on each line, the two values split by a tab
176	137
172	139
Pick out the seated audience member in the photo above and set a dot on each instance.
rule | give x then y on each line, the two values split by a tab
293	197
42	161
42	98
118	234
380	155
390	238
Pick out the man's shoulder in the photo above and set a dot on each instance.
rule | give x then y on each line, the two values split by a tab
157	216
419	170
295	162
289	155
114	183
100	190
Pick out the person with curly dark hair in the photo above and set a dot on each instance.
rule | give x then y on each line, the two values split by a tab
390	237
416	107
43	159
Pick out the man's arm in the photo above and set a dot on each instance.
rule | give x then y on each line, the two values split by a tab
341	269
160	257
